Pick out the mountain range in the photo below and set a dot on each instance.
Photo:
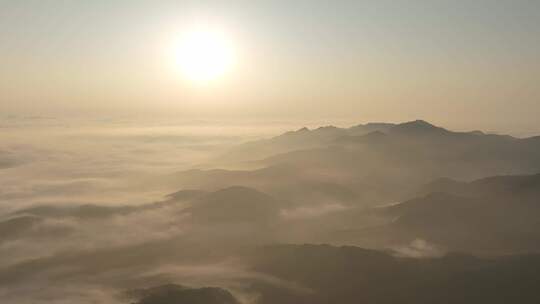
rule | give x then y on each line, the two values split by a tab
375	213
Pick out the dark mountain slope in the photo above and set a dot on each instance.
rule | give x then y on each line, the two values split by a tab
235	204
171	293
512	187
298	184
496	214
355	275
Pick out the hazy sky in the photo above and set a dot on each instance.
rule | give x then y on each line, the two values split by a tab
459	63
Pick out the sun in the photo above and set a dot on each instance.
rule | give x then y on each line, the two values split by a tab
205	54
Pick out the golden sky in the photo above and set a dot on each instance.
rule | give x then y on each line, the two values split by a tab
458	63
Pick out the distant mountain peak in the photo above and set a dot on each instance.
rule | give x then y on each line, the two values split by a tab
170	293
418	123
362	129
300	131
236	204
330	127
418	126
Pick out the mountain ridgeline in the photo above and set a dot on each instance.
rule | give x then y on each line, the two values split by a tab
401	213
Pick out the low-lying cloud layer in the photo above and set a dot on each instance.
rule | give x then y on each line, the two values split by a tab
90	213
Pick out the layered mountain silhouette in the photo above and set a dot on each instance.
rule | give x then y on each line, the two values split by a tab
305	138
491	215
356	275
374	163
415	163
171	293
516	187
237	205
410	213
231	204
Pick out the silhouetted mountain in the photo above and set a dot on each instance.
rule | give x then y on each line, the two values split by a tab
354	275
362	139
303	138
300	139
512	187
382	167
100	212
411	154
496	214
236	205
186	195
418	128
363	129
298	184
171	293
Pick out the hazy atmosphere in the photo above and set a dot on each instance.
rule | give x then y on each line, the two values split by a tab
465	64
269	152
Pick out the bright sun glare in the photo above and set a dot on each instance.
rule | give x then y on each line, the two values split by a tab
204	54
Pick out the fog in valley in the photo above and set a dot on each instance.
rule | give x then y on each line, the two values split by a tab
166	213
269	152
